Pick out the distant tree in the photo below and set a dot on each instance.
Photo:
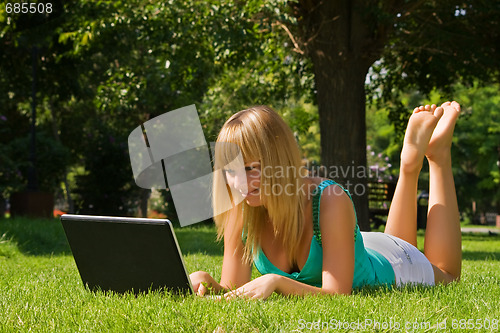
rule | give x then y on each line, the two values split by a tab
477	149
106	67
27	70
118	64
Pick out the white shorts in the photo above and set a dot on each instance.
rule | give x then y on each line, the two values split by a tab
409	264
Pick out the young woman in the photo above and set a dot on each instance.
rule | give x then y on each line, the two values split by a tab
301	232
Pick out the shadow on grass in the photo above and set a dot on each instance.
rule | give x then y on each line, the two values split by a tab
489	247
480	255
480	237
382	291
46	237
199	240
35	236
40	237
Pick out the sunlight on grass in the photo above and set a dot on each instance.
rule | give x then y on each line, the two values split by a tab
41	290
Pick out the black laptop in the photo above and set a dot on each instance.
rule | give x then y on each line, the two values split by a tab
124	254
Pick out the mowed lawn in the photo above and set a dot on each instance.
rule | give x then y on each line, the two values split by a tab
41	291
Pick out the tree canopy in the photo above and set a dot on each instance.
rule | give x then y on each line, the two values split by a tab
104	67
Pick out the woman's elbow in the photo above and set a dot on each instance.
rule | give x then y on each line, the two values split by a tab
337	291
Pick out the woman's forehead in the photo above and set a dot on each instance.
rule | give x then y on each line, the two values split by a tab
251	162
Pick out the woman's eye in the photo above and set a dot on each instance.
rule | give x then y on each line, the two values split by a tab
254	169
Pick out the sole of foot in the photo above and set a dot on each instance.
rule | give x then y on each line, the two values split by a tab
440	142
418	134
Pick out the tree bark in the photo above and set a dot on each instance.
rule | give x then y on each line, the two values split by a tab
55	133
143	203
343	41
341	106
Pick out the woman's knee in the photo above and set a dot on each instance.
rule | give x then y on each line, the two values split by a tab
441	276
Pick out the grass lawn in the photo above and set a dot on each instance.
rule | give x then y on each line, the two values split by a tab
41	290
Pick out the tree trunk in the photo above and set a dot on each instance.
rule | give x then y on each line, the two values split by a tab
143	203
343	41
341	106
55	133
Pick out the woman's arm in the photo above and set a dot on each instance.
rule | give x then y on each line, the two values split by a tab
265	285
337	223
235	272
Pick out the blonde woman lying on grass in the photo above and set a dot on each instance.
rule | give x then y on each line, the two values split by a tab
307	240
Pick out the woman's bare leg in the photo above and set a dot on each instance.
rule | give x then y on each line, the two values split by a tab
402	218
443	238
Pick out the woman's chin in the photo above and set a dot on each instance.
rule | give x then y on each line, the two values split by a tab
253	199
253	202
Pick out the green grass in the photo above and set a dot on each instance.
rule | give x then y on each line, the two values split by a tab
41	290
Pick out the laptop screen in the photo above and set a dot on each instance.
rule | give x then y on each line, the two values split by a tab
126	254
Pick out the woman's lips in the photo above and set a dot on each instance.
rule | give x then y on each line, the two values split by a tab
244	195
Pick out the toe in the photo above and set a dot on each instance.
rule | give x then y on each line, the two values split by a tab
438	112
456	106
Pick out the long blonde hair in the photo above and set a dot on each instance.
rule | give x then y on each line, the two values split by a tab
262	135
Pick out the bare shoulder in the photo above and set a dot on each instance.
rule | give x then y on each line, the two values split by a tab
332	194
335	195
336	207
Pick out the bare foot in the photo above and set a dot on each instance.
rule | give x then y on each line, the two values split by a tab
440	143
418	134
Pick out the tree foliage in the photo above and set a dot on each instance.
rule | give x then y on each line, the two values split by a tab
477	148
434	45
418	44
104	67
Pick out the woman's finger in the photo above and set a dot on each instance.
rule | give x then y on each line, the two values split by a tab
202	290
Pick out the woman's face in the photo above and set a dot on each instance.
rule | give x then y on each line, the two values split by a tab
246	182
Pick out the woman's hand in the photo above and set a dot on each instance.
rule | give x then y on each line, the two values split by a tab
203	283
259	288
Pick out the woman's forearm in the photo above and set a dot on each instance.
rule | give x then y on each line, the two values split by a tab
287	286
263	286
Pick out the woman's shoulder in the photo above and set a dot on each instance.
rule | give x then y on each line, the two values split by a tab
315	180
335	206
332	198
312	183
331	191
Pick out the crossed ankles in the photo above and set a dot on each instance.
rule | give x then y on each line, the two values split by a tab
429	133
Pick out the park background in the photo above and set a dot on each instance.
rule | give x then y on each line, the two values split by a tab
345	75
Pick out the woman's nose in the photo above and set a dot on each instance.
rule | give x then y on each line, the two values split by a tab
240	181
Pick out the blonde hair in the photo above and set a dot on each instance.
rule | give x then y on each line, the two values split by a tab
262	135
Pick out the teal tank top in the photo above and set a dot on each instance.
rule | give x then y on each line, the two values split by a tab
370	267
